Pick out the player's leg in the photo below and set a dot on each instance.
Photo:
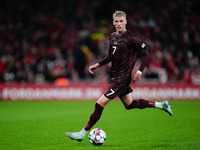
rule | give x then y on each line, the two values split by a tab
142	103
95	116
101	103
126	100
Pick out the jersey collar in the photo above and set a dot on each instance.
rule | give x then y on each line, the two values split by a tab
118	35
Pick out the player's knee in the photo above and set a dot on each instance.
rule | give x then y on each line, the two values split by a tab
131	106
128	107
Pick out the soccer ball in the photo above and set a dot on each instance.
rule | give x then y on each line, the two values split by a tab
97	136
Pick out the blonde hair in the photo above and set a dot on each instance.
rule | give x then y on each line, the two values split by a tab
119	14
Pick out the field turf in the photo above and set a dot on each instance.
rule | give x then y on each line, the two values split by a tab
42	126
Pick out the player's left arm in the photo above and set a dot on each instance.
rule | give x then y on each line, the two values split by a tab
145	55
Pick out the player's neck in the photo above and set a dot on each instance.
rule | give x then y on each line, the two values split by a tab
121	32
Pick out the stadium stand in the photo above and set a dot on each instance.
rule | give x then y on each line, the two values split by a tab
41	41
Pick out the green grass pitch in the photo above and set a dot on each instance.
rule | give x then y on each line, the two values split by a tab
42	126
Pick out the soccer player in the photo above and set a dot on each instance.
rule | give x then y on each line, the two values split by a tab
124	47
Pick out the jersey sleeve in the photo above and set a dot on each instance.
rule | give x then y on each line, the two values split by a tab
142	49
107	59
139	45
145	59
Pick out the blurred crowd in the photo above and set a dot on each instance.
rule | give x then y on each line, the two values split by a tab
42	41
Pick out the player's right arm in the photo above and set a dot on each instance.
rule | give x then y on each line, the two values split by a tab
106	60
93	67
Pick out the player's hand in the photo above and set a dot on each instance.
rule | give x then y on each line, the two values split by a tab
137	76
93	67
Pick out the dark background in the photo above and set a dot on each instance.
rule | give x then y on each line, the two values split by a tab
41	41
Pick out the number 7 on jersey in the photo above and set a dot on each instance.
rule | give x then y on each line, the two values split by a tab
114	47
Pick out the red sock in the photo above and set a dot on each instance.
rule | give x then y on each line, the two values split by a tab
95	116
140	103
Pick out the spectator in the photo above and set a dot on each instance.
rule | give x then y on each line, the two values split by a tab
56	39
